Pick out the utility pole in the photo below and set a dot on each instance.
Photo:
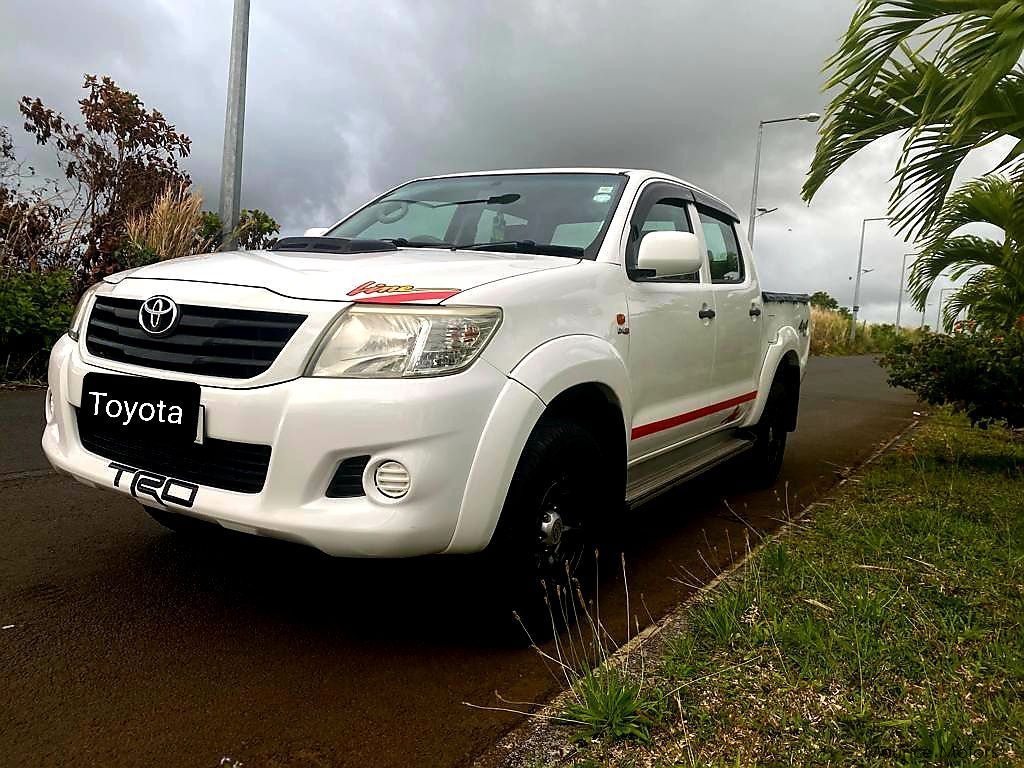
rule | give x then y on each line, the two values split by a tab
899	302
231	164
860	266
810	117
940	321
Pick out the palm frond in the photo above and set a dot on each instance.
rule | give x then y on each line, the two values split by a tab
946	72
954	258
992	199
856	119
987	299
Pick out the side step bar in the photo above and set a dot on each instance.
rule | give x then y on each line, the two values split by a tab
673	469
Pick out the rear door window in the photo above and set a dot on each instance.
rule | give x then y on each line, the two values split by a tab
724	257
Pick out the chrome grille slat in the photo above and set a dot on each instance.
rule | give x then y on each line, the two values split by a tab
208	341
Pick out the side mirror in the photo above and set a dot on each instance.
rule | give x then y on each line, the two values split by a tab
670	254
314	232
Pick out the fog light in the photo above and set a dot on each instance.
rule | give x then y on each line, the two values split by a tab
392	479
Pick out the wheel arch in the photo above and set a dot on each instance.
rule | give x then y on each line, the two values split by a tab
782	358
581	378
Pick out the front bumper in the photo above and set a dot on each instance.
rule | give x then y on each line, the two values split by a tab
432	426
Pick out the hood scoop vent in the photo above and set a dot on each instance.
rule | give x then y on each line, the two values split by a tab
332	245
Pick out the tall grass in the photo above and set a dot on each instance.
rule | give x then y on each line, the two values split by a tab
830	334
170	228
607	695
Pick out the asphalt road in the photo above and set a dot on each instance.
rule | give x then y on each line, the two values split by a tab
131	646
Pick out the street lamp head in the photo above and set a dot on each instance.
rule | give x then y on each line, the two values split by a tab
810	117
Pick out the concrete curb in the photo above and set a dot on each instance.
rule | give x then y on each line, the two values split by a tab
539	739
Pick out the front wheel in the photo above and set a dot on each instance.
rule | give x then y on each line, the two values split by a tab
548	523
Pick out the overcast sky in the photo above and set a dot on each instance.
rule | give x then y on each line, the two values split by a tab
346	99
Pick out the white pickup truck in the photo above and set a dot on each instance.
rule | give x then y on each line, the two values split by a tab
477	361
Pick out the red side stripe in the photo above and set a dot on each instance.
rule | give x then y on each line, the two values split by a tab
399	298
683	418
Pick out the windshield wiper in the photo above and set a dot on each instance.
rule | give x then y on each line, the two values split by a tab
526	246
331	245
402	242
495	200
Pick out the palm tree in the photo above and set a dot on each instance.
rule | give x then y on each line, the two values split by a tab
994	293
945	72
990	301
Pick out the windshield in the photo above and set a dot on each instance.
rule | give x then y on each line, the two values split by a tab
559	213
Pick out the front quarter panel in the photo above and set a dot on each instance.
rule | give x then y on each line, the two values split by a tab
558	330
583	300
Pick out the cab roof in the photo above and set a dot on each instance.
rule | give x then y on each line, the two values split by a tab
639	174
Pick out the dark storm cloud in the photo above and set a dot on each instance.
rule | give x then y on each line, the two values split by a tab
346	99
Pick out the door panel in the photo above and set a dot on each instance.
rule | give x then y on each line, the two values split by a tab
738	324
671	348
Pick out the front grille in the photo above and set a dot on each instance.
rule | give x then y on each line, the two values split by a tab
347	482
208	341
216	463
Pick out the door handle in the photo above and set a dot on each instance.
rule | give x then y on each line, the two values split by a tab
706	314
755	311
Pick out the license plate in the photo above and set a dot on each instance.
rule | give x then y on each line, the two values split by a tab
140	407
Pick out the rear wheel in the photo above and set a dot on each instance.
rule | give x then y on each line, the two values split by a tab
765	458
549	521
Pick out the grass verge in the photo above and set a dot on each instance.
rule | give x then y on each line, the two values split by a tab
883	629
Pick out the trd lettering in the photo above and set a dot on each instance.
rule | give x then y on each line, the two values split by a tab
160	488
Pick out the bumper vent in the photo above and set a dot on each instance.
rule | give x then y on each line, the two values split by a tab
208	341
232	466
347	482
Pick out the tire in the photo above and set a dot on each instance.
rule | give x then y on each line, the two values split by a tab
182	524
549	523
765	458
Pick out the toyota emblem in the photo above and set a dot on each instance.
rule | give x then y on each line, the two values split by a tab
158	315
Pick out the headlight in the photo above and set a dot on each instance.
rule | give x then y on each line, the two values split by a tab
370	342
74	329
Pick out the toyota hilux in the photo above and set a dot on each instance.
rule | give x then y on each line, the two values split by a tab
482	361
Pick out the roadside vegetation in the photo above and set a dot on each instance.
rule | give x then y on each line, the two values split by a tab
884	628
121	200
830	330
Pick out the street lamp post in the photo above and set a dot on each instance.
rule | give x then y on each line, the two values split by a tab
899	302
810	117
860	264
231	164
940	324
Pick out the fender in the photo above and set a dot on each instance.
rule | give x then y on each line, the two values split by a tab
534	382
787	340
561	363
515	413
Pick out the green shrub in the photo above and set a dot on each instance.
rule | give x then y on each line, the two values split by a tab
980	374
35	308
607	704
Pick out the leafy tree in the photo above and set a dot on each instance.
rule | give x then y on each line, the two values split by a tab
824	301
30	219
945	72
995	293
118	161
256	230
211	232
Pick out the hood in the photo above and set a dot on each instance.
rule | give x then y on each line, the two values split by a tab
421	275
